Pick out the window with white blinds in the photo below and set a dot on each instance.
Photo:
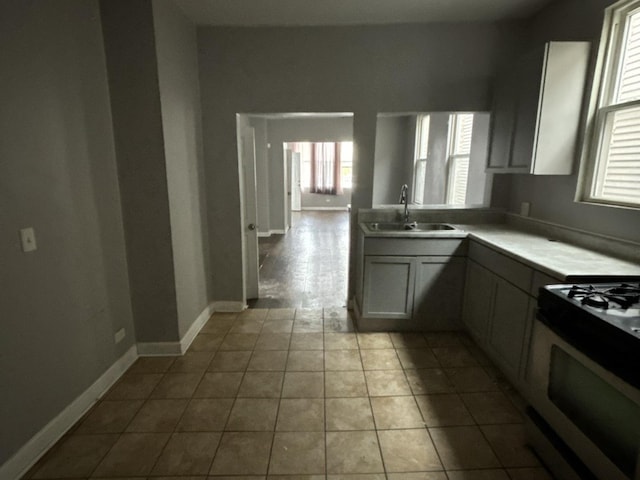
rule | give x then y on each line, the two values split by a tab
615	177
460	130
420	161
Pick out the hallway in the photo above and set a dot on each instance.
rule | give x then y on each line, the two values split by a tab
307	267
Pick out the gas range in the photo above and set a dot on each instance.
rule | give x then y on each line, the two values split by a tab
602	320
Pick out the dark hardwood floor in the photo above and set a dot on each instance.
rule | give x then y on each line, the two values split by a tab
307	267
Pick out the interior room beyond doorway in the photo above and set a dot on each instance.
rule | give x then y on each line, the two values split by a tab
307	267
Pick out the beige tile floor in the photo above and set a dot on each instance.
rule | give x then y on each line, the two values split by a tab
297	394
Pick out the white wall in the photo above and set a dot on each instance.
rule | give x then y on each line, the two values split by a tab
61	304
551	197
365	70
176	50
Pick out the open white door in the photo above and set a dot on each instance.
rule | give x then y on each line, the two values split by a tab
296	193
288	154
250	211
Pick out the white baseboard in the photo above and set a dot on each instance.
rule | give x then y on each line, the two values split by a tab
160	349
29	454
227	306
195	328
341	209
278	231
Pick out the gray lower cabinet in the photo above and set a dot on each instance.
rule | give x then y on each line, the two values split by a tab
500	298
439	287
509	323
388	287
410	284
478	300
497	307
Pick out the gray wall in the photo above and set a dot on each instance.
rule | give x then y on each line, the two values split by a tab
61	304
552	197
300	130
176	49
364	70
137	119
393	163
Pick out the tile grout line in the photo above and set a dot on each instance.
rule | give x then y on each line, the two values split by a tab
375	426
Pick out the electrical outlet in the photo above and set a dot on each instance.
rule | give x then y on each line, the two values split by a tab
525	209
119	335
28	239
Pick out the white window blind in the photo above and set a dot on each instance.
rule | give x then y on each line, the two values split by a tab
616	171
420	161
628	85
618	178
461	128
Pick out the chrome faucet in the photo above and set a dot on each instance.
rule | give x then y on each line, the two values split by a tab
404	198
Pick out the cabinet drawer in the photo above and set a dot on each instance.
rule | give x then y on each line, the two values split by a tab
511	270
415	246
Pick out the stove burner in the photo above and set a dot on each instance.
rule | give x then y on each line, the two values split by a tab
623	295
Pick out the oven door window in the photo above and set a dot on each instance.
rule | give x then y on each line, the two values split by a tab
609	418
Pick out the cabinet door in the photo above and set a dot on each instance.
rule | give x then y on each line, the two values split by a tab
478	296
503	115
508	327
437	302
529	78
388	287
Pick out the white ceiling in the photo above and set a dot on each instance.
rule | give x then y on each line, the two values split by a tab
352	12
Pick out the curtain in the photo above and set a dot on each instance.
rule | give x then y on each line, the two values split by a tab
325	168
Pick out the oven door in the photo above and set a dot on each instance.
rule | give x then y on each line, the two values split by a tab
594	412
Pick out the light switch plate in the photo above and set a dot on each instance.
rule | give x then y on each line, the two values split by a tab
28	239
525	209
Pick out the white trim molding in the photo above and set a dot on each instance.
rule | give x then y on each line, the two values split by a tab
31	451
341	209
159	349
228	306
268	233
195	328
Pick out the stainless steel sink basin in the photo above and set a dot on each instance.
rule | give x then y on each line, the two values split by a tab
408	227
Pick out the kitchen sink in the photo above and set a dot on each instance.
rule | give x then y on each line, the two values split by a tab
409	227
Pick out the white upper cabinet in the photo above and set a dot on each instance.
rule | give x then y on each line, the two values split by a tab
536	111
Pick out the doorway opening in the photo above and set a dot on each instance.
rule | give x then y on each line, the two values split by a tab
320	175
298	201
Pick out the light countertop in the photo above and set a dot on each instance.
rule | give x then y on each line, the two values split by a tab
551	256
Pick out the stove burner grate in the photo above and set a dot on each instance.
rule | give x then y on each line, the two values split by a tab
623	295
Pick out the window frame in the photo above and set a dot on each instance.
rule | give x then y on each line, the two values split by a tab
418	159
601	102
453	156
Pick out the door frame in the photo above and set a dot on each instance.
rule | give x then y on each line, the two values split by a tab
248	210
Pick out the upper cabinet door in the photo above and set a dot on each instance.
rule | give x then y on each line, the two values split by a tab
502	120
549	89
